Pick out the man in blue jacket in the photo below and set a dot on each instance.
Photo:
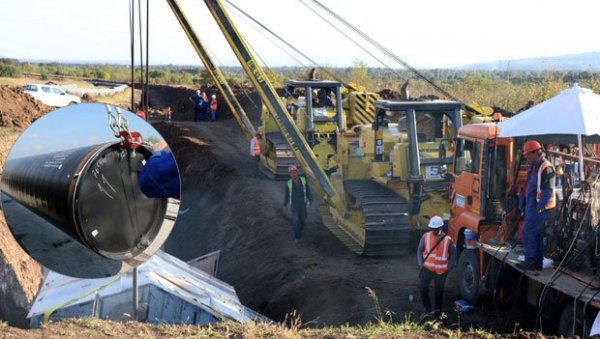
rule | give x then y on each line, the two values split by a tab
159	177
539	197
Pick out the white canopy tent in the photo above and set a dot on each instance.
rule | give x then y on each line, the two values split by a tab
575	111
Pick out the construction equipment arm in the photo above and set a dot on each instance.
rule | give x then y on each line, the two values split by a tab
214	71
277	109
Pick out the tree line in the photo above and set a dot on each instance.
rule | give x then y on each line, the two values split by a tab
507	89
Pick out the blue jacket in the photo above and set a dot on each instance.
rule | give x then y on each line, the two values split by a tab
159	178
530	189
197	100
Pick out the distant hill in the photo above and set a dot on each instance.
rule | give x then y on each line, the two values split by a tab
572	62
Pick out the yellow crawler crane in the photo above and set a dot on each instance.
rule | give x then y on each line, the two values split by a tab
385	174
320	109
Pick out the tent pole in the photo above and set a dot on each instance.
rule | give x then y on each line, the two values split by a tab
581	169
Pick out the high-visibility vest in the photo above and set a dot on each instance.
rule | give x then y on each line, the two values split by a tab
303	181
255	147
552	202
213	105
438	259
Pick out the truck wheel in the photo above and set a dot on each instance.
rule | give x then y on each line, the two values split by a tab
569	322
72	103
468	275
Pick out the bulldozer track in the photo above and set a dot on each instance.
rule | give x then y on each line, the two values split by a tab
385	216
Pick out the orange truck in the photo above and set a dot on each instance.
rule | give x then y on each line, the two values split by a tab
486	177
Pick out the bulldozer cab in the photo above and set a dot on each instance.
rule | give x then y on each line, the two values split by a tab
316	105
425	146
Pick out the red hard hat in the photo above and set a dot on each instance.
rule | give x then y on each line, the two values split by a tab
531	146
292	169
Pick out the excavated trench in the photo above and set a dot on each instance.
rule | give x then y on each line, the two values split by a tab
225	208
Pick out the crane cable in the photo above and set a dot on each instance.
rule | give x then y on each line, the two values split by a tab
141	54
385	51
221	64
146	101
278	37
132	46
352	40
247	16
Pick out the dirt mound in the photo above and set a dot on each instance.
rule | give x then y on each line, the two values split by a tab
178	98
18	109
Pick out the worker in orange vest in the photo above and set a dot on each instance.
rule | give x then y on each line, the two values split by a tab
539	197
435	255
255	151
213	108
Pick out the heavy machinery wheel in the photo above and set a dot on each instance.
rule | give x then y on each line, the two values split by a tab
468	275
570	321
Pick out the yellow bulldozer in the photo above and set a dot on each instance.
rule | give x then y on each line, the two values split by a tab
389	175
375	163
319	109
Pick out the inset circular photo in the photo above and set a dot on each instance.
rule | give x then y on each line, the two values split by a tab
90	190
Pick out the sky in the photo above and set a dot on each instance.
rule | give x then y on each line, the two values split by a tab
49	133
424	33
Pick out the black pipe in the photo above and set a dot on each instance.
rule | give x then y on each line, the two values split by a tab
91	194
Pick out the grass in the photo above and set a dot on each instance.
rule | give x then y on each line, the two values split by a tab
293	329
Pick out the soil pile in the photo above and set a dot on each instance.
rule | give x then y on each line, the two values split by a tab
18	109
178	98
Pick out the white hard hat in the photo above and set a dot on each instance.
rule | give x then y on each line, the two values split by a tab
436	222
214	96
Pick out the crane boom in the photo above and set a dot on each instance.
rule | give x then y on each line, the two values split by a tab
292	135
214	71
